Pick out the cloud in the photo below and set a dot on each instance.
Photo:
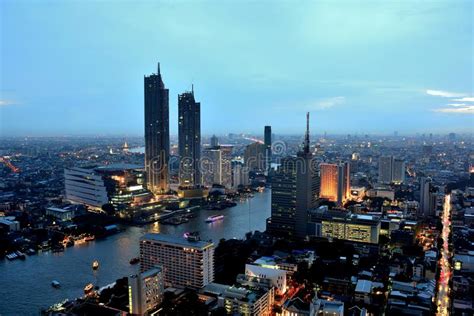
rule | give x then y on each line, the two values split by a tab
457	104
7	102
469	109
445	94
466	99
330	102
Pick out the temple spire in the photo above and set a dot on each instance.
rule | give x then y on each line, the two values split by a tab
306	137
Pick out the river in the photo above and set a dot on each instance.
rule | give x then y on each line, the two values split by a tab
26	285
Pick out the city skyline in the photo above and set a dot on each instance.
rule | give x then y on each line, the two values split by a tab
395	70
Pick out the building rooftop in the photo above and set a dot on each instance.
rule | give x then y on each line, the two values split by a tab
169	239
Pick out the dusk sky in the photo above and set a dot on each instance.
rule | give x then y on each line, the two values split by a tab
77	67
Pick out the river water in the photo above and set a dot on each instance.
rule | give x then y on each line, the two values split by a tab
25	286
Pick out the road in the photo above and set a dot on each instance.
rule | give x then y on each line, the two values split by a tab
445	275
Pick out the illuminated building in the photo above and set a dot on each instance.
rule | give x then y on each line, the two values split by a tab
240	175
398	171
295	188
145	291
335	182
243	300
344	225
268	147
189	130
254	156
185	263
266	268
118	184
157	137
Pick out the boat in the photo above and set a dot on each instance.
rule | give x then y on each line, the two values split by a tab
214	218
192	236
95	265
134	260
21	255
55	284
30	252
89	238
88	288
12	256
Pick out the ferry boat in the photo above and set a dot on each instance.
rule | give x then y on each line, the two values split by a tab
134	260
95	265
88	289
192	236
55	284
214	218
89	238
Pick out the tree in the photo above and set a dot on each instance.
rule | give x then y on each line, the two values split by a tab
109	209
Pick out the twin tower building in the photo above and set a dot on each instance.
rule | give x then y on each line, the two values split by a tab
157	135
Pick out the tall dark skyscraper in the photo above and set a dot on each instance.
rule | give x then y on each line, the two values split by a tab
295	190
189	129
157	135
268	147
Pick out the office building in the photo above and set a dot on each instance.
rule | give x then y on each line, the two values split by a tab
214	141
118	184
185	263
211	166
157	137
255	157
189	134
268	147
335	182
344	225
226	165
145	291
295	189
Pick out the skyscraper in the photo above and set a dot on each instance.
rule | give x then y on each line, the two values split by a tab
427	198
385	169
335	182
391	170
398	171
254	157
268	147
189	130
295	189
157	137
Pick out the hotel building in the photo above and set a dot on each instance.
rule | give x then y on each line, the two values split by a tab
185	263
335	182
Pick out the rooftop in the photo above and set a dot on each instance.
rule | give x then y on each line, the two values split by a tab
169	239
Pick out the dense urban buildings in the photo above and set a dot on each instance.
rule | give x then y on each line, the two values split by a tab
185	263
189	133
145	291
157	135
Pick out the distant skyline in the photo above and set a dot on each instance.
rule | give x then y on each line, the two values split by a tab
77	68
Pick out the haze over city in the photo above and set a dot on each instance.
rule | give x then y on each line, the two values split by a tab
76	68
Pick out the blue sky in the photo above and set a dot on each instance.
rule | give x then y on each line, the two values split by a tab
77	67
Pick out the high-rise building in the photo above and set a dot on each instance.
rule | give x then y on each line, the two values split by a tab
391	170
295	189
157	137
145	291
427	205
185	263
240	175
385	169
398	171
268	147
211	166
335	182
189	130
214	141
255	156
